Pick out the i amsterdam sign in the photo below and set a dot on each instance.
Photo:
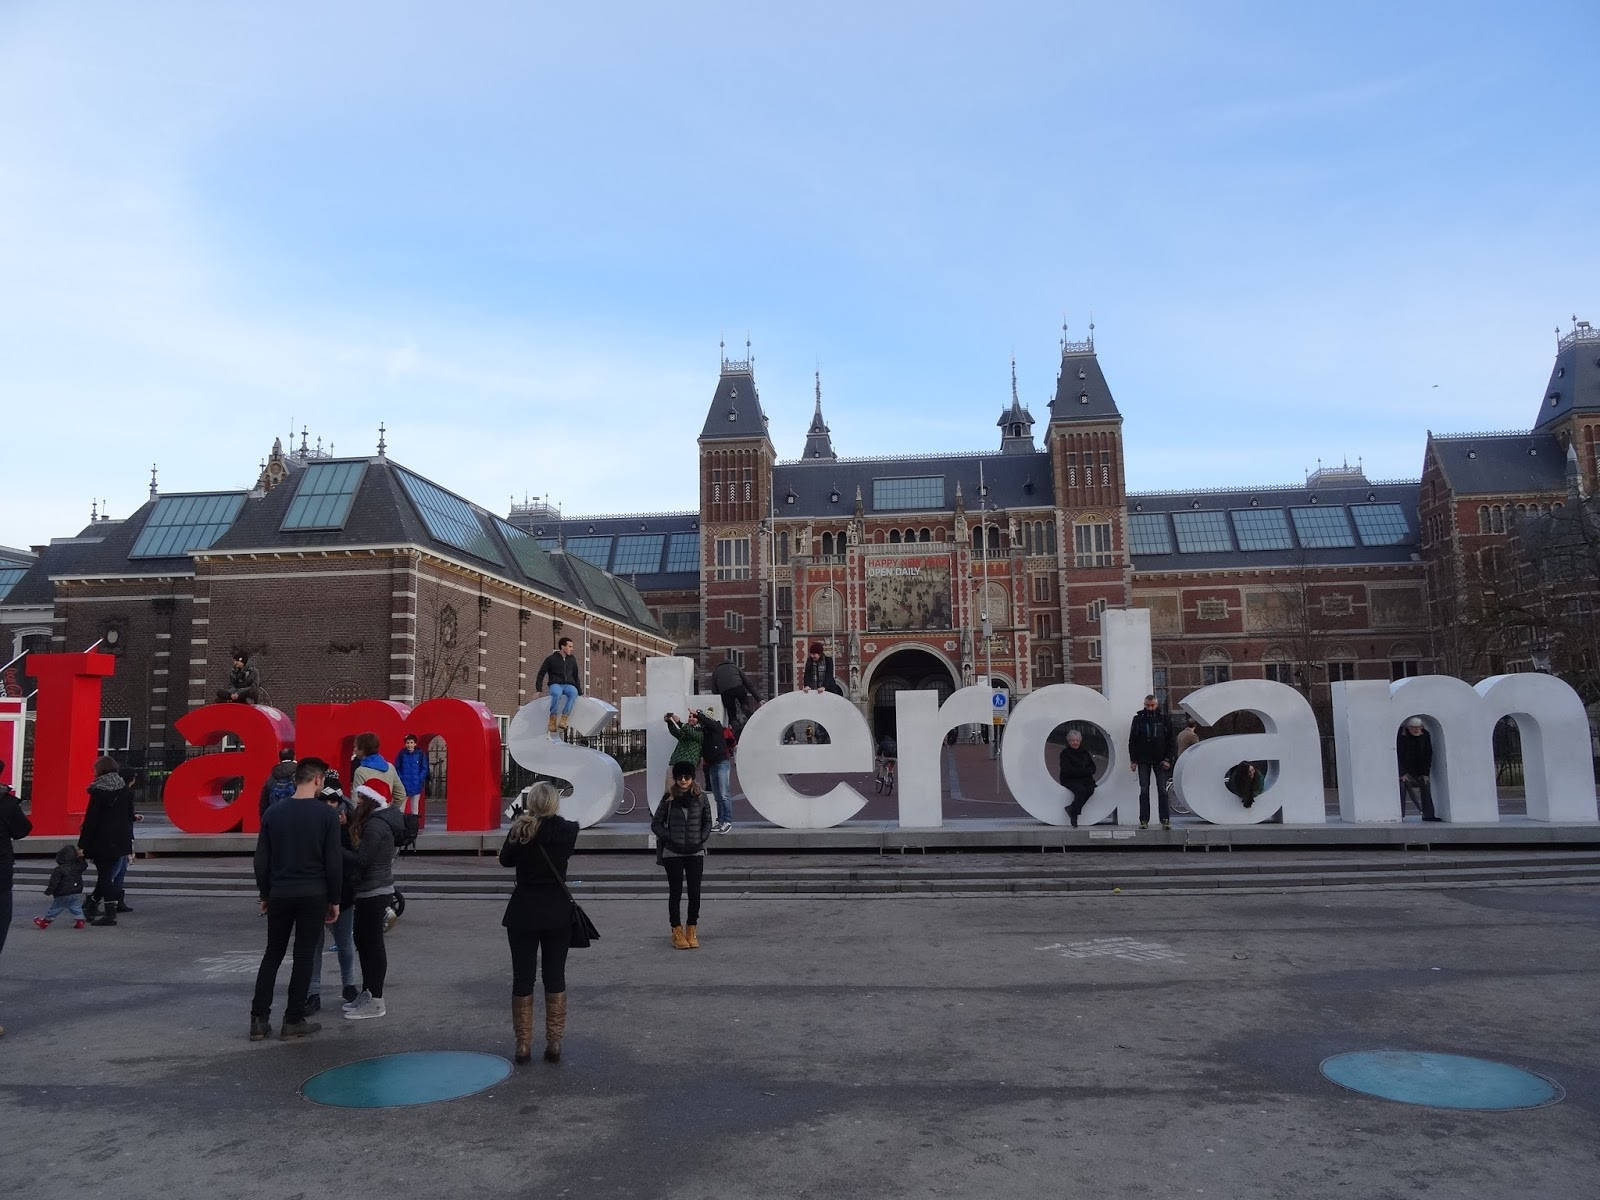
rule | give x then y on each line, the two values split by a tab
1558	769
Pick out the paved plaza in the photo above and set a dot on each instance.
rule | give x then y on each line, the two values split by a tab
1102	1045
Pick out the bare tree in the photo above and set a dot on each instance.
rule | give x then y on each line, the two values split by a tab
444	655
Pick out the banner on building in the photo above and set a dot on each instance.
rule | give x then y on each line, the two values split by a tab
907	592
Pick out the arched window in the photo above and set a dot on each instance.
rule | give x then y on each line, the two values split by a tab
1215	667
1497	519
827	545
894	537
1483	518
996	601
842	542
827	613
924	535
977	537
994	537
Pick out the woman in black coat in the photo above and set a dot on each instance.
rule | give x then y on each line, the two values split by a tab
1077	772
13	827
538	917
107	833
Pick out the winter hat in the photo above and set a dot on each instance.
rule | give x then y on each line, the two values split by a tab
376	790
814	648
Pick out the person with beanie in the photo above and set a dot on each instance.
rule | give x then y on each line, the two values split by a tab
373	831
65	889
538	917
280	781
107	833
682	825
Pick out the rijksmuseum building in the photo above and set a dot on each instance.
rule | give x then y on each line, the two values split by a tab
357	577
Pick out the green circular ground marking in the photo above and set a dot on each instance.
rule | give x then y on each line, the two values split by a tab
399	1080
1440	1080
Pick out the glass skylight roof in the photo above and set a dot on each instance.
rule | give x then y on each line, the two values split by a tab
1148	533
595	548
1381	524
1199	532
919	492
449	518
530	555
179	524
1321	527
683	553
1261	529
638	554
9	577
323	498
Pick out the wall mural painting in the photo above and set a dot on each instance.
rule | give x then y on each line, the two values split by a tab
907	592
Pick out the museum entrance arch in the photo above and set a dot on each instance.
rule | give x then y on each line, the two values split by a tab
910	669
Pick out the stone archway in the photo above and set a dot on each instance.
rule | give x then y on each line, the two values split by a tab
909	668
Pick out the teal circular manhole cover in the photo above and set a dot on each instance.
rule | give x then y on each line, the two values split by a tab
398	1080
1440	1080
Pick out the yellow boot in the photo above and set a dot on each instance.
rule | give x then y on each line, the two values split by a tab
689	936
565	721
551	725
680	941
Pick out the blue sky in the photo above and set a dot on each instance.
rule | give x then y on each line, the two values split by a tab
515	233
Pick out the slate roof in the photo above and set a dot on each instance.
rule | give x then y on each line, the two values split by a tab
1500	463
1574	379
1082	393
735	407
818	442
1013	480
381	513
1253	500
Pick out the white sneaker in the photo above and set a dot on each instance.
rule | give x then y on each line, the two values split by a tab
373	1007
352	1005
723	827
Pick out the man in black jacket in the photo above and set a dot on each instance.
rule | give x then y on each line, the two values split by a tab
13	827
1413	750
719	771
242	686
298	874
561	668
739	696
1151	748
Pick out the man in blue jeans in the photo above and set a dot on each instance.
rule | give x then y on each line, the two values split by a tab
719	771
566	683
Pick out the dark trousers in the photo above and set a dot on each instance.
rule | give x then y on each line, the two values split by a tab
107	886
247	695
526	945
1081	790
1163	776
1420	791
679	869
301	917
5	912
371	912
737	706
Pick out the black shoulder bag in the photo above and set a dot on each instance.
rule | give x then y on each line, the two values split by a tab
583	930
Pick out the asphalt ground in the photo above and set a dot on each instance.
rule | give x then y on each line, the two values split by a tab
1104	1046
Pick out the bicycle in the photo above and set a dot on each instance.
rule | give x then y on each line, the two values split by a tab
883	775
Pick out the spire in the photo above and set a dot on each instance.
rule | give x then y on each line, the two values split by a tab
152	481
94	511
818	444
383	446
1016	422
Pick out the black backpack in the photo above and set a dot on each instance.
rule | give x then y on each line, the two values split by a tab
405	838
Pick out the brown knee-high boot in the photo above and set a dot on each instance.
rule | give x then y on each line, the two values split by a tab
555	1024
522	1026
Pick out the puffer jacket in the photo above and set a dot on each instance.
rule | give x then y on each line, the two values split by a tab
374	868
107	830
14	826
67	878
682	823
1076	766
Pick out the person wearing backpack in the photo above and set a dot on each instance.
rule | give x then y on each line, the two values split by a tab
372	832
538	917
280	782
